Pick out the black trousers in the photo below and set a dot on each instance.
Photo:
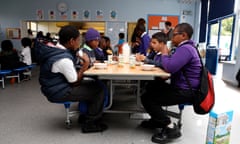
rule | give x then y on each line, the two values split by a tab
90	92
158	93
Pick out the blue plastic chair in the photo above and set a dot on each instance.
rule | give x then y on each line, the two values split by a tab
16	72
3	73
82	107
69	113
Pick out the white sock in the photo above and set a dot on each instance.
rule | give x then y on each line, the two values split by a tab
171	125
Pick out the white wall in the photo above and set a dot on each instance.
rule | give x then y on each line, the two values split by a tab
12	12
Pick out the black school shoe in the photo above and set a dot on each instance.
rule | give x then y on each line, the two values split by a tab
93	126
166	135
81	119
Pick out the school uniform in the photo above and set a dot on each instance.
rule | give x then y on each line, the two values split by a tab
160	93
99	54
144	45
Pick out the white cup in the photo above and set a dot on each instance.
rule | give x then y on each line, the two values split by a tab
110	57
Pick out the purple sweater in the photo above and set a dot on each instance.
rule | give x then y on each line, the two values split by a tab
185	57
145	42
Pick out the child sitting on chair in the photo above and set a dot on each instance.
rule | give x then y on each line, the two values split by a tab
157	44
26	52
61	82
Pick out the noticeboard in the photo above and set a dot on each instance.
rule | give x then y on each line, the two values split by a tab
157	22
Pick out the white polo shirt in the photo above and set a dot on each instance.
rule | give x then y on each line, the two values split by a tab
66	67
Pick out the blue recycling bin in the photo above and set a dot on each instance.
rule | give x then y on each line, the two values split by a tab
212	59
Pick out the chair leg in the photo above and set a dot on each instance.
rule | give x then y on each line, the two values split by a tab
180	119
68	121
176	115
18	77
2	80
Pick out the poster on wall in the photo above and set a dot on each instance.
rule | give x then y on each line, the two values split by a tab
113	15
63	15
99	14
40	14
13	33
156	23
51	15
74	15
86	15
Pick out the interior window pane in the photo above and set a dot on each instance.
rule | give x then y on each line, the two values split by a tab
225	37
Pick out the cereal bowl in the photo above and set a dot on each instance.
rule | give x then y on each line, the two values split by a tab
100	65
147	67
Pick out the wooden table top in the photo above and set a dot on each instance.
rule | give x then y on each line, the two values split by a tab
126	70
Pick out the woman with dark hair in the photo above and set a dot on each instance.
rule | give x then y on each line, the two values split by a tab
135	38
168	30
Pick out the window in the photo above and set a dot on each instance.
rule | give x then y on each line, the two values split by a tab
220	36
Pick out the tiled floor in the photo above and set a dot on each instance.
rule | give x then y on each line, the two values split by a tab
27	117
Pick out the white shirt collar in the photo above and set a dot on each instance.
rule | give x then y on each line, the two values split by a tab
100	49
58	45
182	42
143	34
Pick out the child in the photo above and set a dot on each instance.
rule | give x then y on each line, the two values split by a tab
120	43
26	52
108	50
9	58
92	38
158	43
61	82
100	51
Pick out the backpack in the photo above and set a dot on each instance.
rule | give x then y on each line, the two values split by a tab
205	97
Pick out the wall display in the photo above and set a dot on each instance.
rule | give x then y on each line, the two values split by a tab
74	15
13	33
99	14
156	23
51	15
113	15
86	14
40	14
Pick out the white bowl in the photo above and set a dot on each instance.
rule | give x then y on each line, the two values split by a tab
147	67
139	63
100	65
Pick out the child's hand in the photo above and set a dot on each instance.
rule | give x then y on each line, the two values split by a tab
140	57
85	61
109	52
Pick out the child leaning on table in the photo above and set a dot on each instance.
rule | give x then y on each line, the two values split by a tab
92	38
158	43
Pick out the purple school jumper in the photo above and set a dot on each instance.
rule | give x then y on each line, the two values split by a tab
185	57
145	42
